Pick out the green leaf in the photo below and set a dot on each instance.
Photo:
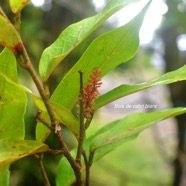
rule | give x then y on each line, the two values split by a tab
21	87
73	35
4	175
105	53
9	37
12	99
129	126
114	134
124	90
17	5
11	150
111	136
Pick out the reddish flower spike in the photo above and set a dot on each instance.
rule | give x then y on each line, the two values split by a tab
91	92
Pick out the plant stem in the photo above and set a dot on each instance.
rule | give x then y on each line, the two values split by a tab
39	157
87	169
29	67
24	61
40	118
82	127
17	21
22	55
88	164
76	167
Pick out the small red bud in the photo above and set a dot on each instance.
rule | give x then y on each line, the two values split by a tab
19	48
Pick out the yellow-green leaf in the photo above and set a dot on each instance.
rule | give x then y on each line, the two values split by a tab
12	99
17	5
9	36
11	150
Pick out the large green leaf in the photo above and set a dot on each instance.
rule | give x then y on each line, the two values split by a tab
17	5
105	53
129	126
111	136
9	36
11	150
12	107
74	35
12	100
124	90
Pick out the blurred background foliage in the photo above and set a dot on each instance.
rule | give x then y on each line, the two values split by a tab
157	156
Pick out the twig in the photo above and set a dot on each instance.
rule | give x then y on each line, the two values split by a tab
17	21
91	158
40	118
76	167
82	127
88	164
39	158
56	152
25	63
29	67
87	169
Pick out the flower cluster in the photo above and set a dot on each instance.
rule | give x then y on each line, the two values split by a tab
90	93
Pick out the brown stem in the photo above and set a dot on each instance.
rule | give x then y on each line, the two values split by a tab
76	167
82	127
26	64
29	67
88	164
39	158
87	169
55	152
17	21
40	118
91	158
63	149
